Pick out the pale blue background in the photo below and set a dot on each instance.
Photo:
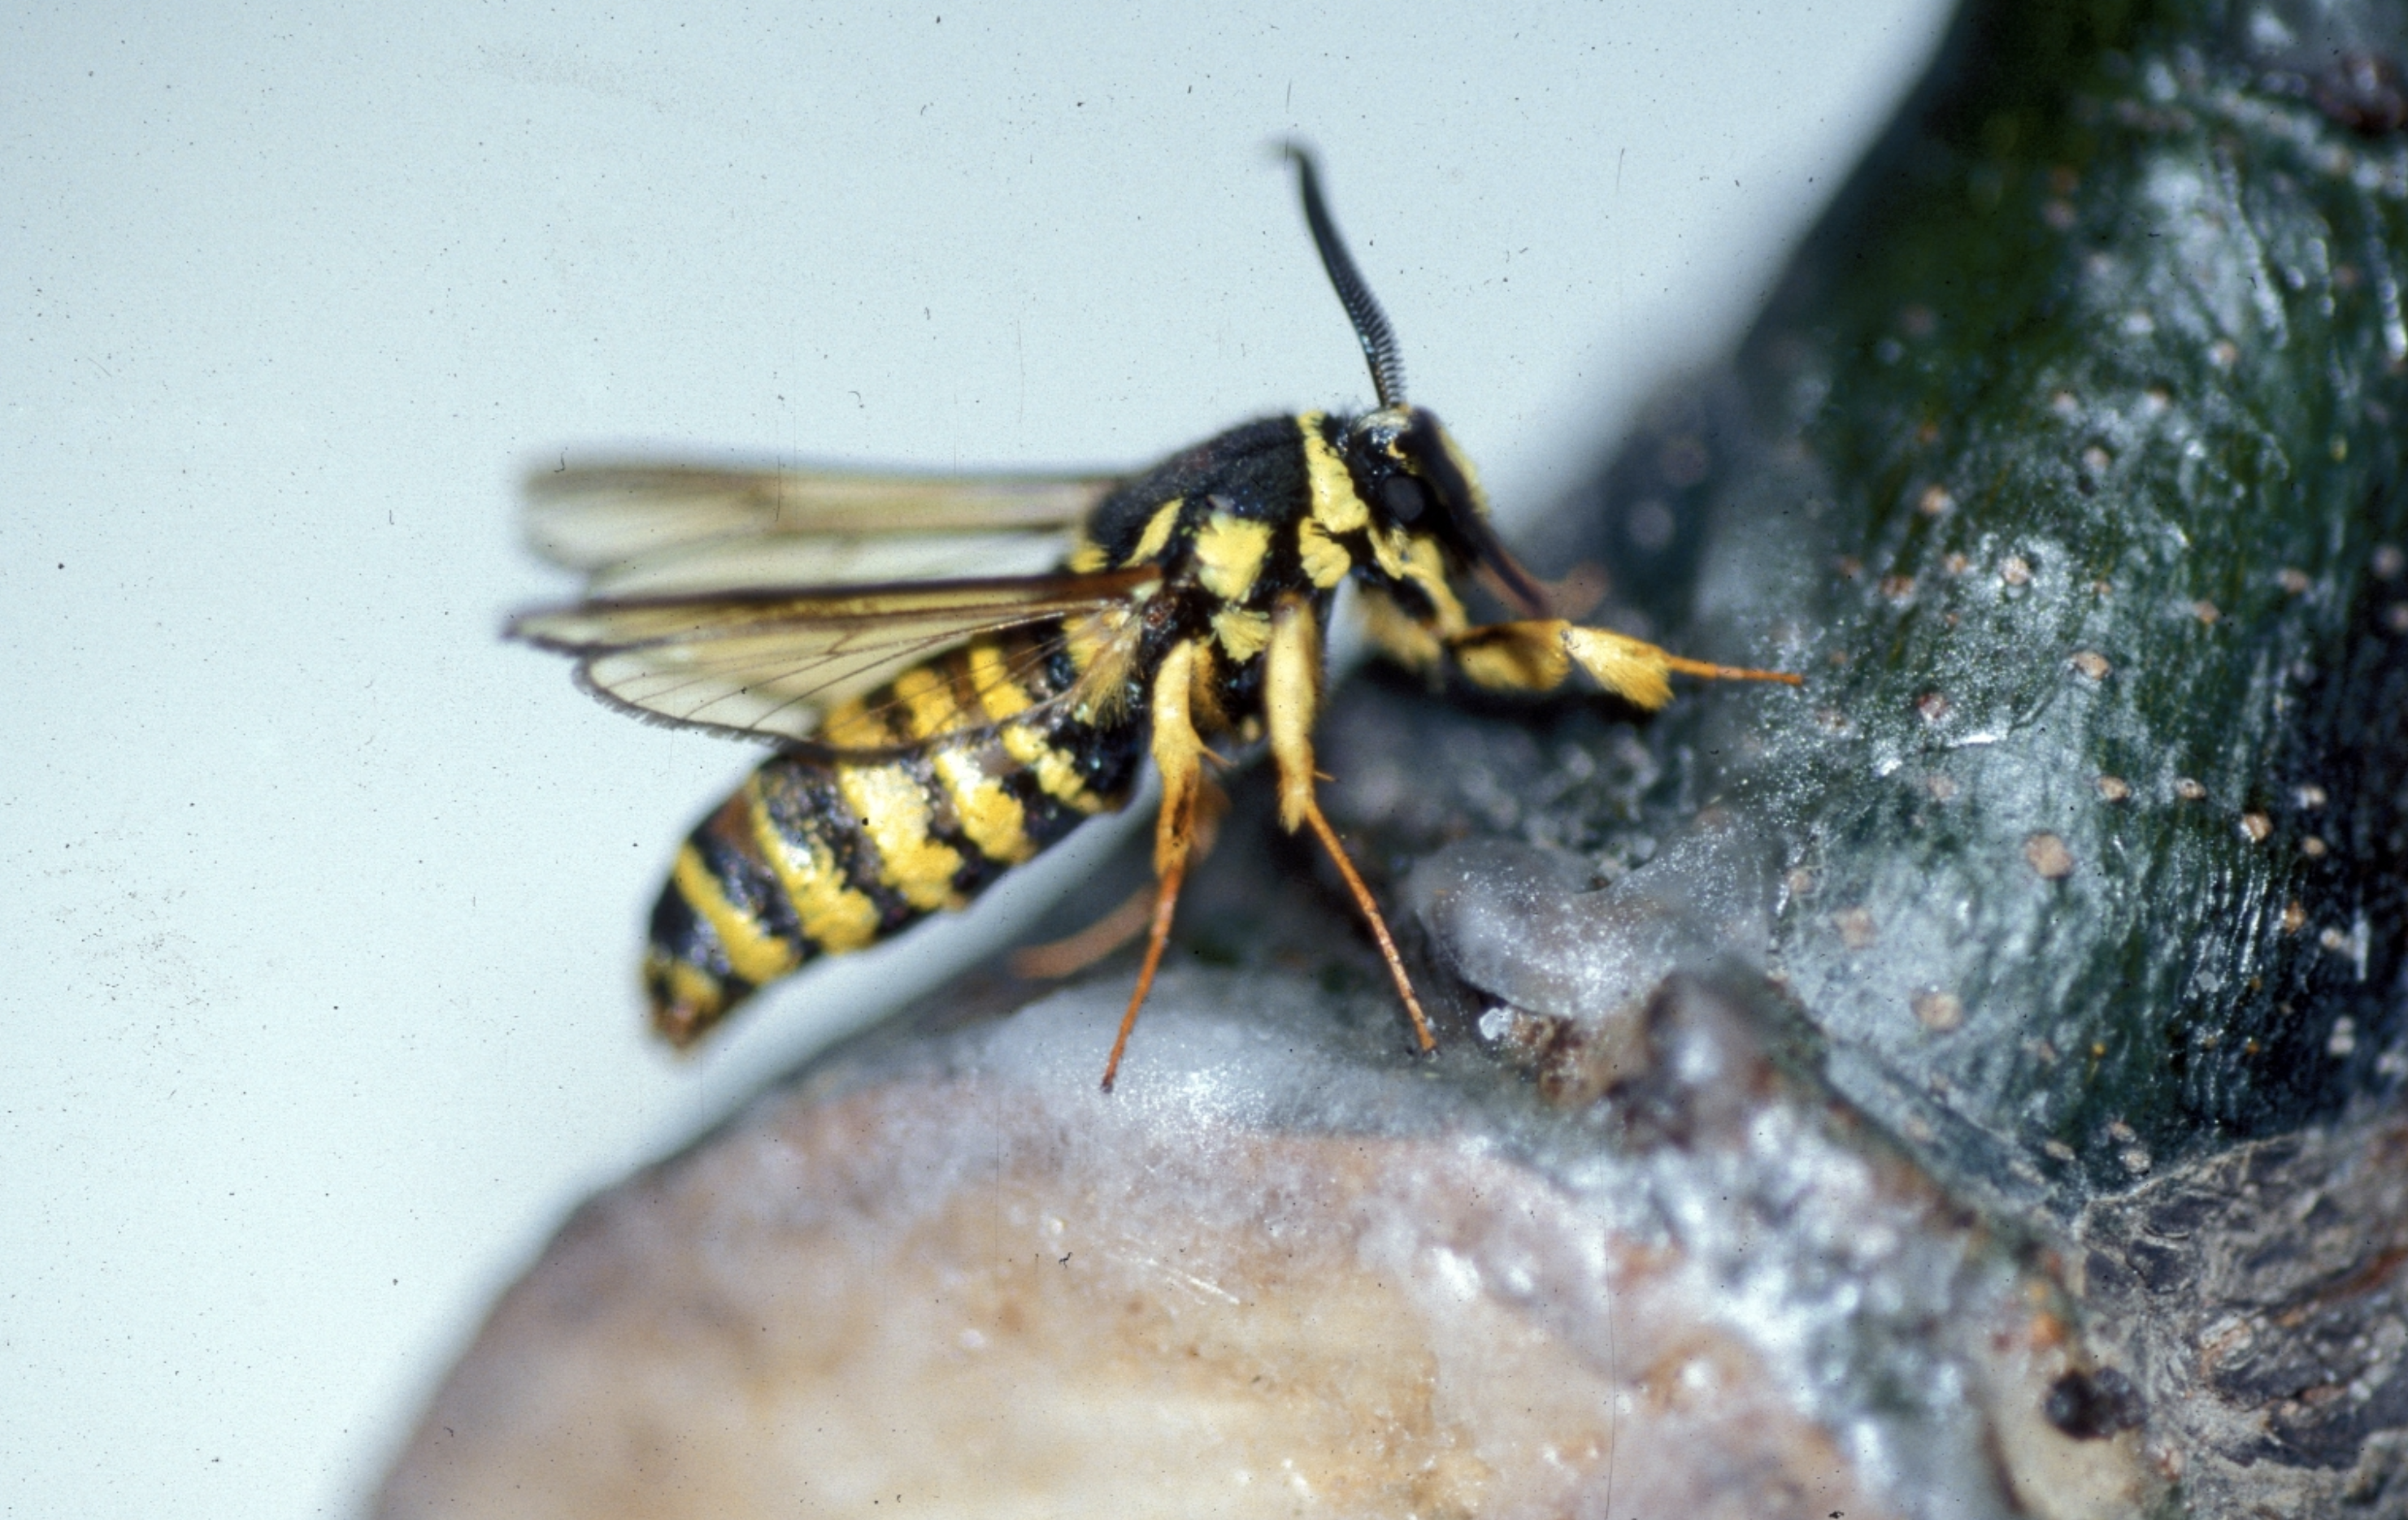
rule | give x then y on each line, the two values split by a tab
324	902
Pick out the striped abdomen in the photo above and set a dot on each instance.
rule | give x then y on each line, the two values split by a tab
835	846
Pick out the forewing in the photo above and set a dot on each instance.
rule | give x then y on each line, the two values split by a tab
787	560
673	528
769	665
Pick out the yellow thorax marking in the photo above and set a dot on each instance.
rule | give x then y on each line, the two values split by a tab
1336	504
1325	560
1086	556
752	952
832	912
1157	532
894	810
1229	553
1243	633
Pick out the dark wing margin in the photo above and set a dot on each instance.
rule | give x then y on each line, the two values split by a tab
768	665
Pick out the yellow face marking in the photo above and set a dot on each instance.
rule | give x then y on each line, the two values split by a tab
1055	775
1243	634
836	915
1157	532
928	704
752	951
894	813
1336	504
1229	554
1415	557
1387	552
991	816
1424	566
1325	560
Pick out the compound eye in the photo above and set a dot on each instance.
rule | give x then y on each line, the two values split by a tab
1404	497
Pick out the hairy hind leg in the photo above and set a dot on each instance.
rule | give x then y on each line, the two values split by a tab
1179	755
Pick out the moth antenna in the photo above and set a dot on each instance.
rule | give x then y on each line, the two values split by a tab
1370	324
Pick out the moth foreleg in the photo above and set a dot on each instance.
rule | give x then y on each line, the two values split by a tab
1538	655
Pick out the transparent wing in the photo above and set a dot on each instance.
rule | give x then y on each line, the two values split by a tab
770	664
654	528
788	560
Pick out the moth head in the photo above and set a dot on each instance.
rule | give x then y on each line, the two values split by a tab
1414	478
1410	472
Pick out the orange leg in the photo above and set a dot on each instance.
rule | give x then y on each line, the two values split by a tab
1371	910
1166	902
1179	756
1291	702
1728	672
1075	953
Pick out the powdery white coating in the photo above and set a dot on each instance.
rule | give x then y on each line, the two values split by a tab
1522	923
1284	1270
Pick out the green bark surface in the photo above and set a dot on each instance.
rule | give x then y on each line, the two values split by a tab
2076	484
